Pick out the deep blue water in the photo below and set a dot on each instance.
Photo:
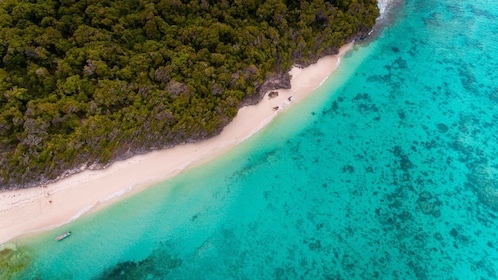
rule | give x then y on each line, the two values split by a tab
389	171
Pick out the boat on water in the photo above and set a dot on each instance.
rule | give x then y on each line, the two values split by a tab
62	236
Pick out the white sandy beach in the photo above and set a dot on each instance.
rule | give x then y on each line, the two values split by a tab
42	208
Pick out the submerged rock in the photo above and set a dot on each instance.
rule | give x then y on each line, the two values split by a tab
429	204
489	196
8	246
442	128
13	260
484	185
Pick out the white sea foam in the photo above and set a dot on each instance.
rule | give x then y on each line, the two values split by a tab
386	5
383	4
323	81
116	194
81	212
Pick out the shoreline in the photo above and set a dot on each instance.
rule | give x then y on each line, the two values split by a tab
42	208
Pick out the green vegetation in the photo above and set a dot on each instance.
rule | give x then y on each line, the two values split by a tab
90	81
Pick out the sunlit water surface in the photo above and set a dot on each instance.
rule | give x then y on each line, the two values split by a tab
389	171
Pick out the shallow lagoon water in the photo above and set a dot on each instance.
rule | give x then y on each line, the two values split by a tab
389	171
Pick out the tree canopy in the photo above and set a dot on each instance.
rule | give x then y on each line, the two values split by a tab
86	82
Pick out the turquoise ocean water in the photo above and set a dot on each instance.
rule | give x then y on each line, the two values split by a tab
389	171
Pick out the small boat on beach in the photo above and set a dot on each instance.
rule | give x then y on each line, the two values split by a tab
62	236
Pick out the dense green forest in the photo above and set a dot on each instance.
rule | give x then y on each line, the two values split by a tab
86	82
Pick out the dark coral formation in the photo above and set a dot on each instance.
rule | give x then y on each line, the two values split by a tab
156	266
